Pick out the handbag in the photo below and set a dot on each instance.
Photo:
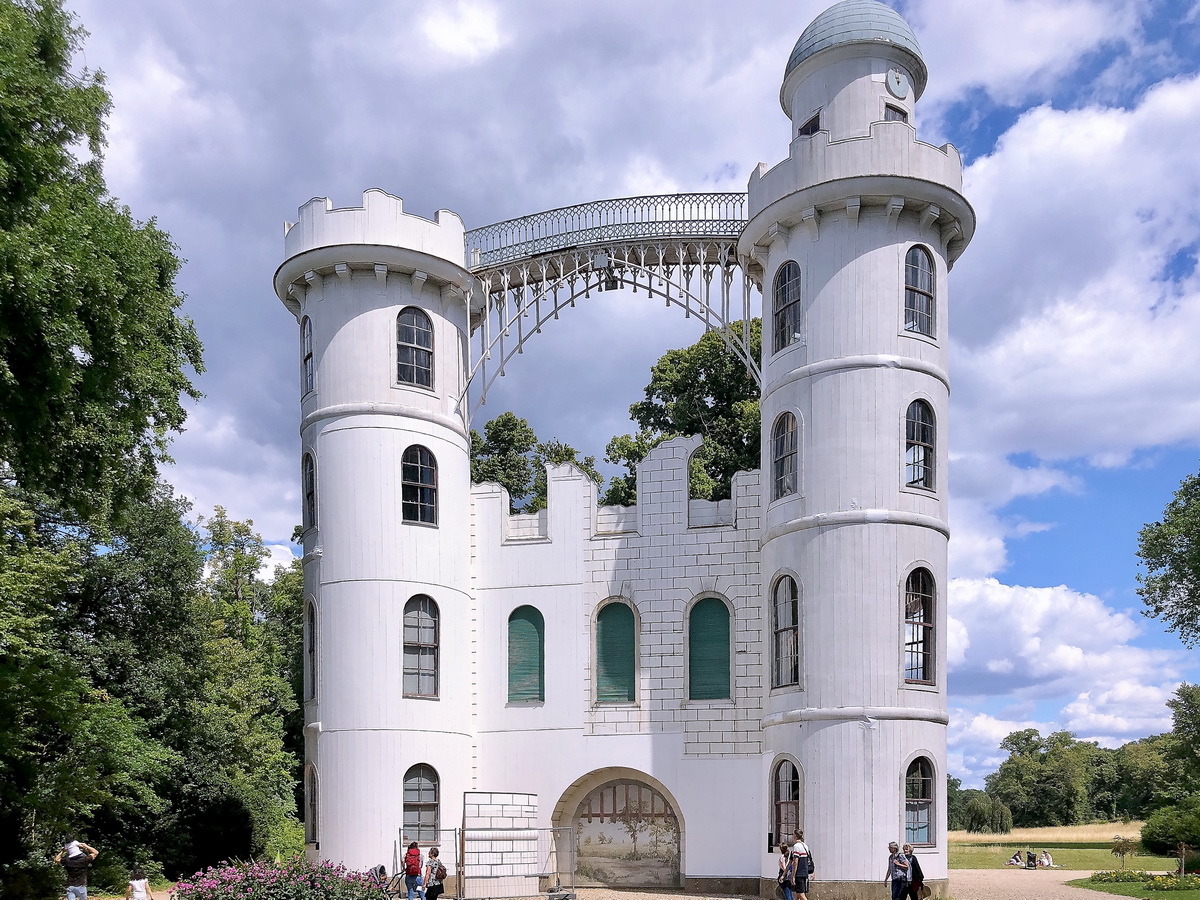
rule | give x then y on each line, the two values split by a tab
924	891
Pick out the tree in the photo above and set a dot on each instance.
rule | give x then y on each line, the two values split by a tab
92	349
1185	716
705	390
1122	847
1173	825
987	815
1047	781
1170	552
510	454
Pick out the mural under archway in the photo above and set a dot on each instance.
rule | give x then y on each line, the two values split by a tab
627	833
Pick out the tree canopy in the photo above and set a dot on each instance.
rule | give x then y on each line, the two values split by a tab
510	454
1170	552
92	346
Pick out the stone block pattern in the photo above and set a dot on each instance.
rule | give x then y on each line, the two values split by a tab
500	837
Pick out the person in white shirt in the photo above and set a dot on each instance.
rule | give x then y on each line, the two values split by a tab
801	865
138	887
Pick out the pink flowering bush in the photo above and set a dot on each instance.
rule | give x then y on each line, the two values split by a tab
295	879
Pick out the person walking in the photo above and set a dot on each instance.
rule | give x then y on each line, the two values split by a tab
897	871
802	866
435	875
412	870
138	887
76	857
916	878
785	871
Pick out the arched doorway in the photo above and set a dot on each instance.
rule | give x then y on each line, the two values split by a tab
627	834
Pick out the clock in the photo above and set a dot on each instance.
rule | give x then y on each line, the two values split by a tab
897	84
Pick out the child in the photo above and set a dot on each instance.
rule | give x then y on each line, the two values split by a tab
138	888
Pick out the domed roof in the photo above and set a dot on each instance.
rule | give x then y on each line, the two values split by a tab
858	21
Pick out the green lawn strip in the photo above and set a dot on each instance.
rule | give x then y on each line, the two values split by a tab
1069	856
1134	890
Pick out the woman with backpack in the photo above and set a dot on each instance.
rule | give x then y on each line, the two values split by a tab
412	870
801	867
435	874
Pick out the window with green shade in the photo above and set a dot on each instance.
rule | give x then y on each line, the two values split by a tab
616	660
708	650
526	655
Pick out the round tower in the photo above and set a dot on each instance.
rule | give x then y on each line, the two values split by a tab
380	299
852	236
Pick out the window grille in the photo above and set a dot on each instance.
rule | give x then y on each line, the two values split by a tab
418	486
414	348
311	652
786	791
310	492
421	789
918	803
811	127
787	306
786	669
918	291
894	114
919	447
918	627
312	805
783	456
306	342
421	644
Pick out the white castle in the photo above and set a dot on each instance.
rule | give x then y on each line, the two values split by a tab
701	677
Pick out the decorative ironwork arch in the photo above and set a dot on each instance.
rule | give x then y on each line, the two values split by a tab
672	246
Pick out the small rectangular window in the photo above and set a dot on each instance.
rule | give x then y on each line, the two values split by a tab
811	127
894	114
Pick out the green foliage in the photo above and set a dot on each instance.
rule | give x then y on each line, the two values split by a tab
956	804
92	349
1184	749
510	454
1121	876
705	390
1173	883
1170	552
1122	847
1056	780
294	879
987	815
1172	825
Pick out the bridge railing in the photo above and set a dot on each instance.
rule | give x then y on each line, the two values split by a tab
708	216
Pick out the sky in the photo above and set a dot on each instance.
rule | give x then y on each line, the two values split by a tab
1074	312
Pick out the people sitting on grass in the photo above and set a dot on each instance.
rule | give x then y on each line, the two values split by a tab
1046	861
1015	860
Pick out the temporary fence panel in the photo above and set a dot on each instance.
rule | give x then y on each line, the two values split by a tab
517	862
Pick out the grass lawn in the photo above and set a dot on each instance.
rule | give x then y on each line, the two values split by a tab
1073	847
1134	890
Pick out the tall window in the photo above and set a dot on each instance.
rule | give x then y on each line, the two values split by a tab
312	805
786	793
918	627
918	291
421	636
414	348
310	652
919	445
918	802
783	456
418	485
708	650
526	655
616	647
421	804
306	353
310	492
786	668
787	305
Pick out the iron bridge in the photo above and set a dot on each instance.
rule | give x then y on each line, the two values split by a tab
673	246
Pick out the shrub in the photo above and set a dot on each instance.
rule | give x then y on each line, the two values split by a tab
31	879
295	879
1121	876
1173	883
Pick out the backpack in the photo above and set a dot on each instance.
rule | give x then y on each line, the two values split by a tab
412	863
439	871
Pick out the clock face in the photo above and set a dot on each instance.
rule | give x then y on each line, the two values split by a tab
897	84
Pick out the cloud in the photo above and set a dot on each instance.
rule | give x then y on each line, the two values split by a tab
465	31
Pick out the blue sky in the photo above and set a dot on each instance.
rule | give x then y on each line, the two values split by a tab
1074	313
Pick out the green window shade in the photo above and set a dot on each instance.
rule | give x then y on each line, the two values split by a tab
708	650
526	662
615	642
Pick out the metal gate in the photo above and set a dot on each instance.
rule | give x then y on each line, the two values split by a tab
515	862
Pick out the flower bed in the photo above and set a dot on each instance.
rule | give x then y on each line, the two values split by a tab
294	879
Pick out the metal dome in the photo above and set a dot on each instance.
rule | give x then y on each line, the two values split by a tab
859	21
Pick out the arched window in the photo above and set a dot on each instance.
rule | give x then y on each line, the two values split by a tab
783	456
312	805
787	306
918	291
786	669
708	650
306	354
616	660
414	348
918	627
310	492
418	486
421	637
526	655
918	802
919	445
310	652
785	791
421	804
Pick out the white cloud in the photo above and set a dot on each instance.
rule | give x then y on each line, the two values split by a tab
466	31
1119	711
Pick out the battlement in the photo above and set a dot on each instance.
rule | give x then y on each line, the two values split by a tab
380	220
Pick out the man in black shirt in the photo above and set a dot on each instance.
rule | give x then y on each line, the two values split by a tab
76	857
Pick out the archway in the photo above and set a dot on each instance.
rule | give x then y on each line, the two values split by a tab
628	832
